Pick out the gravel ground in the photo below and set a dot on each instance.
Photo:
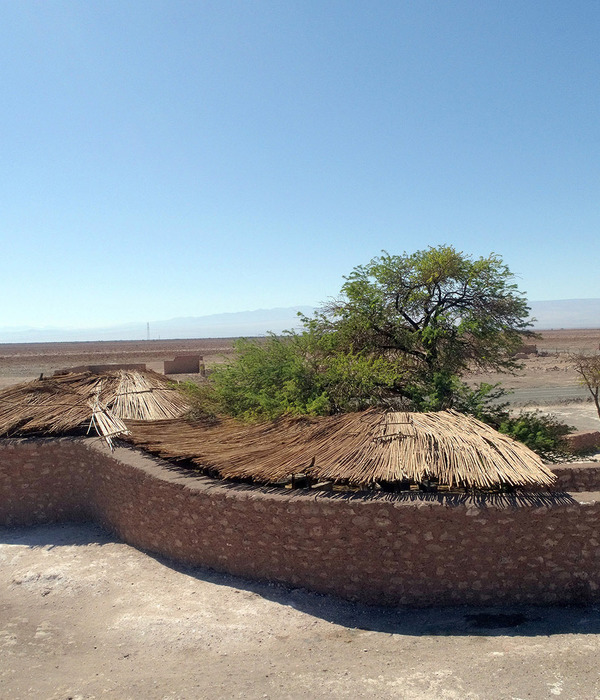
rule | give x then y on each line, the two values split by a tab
84	616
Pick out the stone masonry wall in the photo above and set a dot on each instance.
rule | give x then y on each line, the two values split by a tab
584	441
577	477
43	481
415	549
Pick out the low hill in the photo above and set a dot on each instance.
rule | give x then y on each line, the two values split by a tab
566	313
563	313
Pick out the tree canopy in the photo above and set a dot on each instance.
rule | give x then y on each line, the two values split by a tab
435	313
437	307
404	328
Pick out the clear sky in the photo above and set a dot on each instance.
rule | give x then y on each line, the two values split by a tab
163	159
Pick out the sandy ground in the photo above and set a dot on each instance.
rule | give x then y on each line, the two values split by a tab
25	361
83	616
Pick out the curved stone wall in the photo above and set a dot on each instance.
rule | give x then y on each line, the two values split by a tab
413	549
583	476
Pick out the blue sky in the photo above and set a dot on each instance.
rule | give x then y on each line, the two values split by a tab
164	159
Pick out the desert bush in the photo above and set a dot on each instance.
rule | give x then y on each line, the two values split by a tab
269	378
204	403
297	374
542	434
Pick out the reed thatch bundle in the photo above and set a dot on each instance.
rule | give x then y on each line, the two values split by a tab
100	401
146	396
359	449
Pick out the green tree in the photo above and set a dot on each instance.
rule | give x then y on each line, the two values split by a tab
402	333
435	313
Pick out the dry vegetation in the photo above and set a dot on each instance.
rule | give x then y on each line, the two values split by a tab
361	449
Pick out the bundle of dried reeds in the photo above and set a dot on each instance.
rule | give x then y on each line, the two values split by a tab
99	401
359	449
104	421
36	407
146	397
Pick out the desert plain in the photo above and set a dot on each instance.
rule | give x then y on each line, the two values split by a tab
547	380
84	616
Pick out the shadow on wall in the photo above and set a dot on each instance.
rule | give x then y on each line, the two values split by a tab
509	621
184	470
449	500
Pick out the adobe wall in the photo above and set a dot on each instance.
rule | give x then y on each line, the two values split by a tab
183	364
415	549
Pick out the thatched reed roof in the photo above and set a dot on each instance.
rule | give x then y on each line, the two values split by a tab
100	401
359	449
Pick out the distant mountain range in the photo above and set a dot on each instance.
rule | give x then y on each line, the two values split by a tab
564	313
228	325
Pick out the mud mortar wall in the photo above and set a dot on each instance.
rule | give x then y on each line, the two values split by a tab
415	550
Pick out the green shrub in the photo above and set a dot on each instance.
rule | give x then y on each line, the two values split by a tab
295	374
204	403
542	434
443	391
269	378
